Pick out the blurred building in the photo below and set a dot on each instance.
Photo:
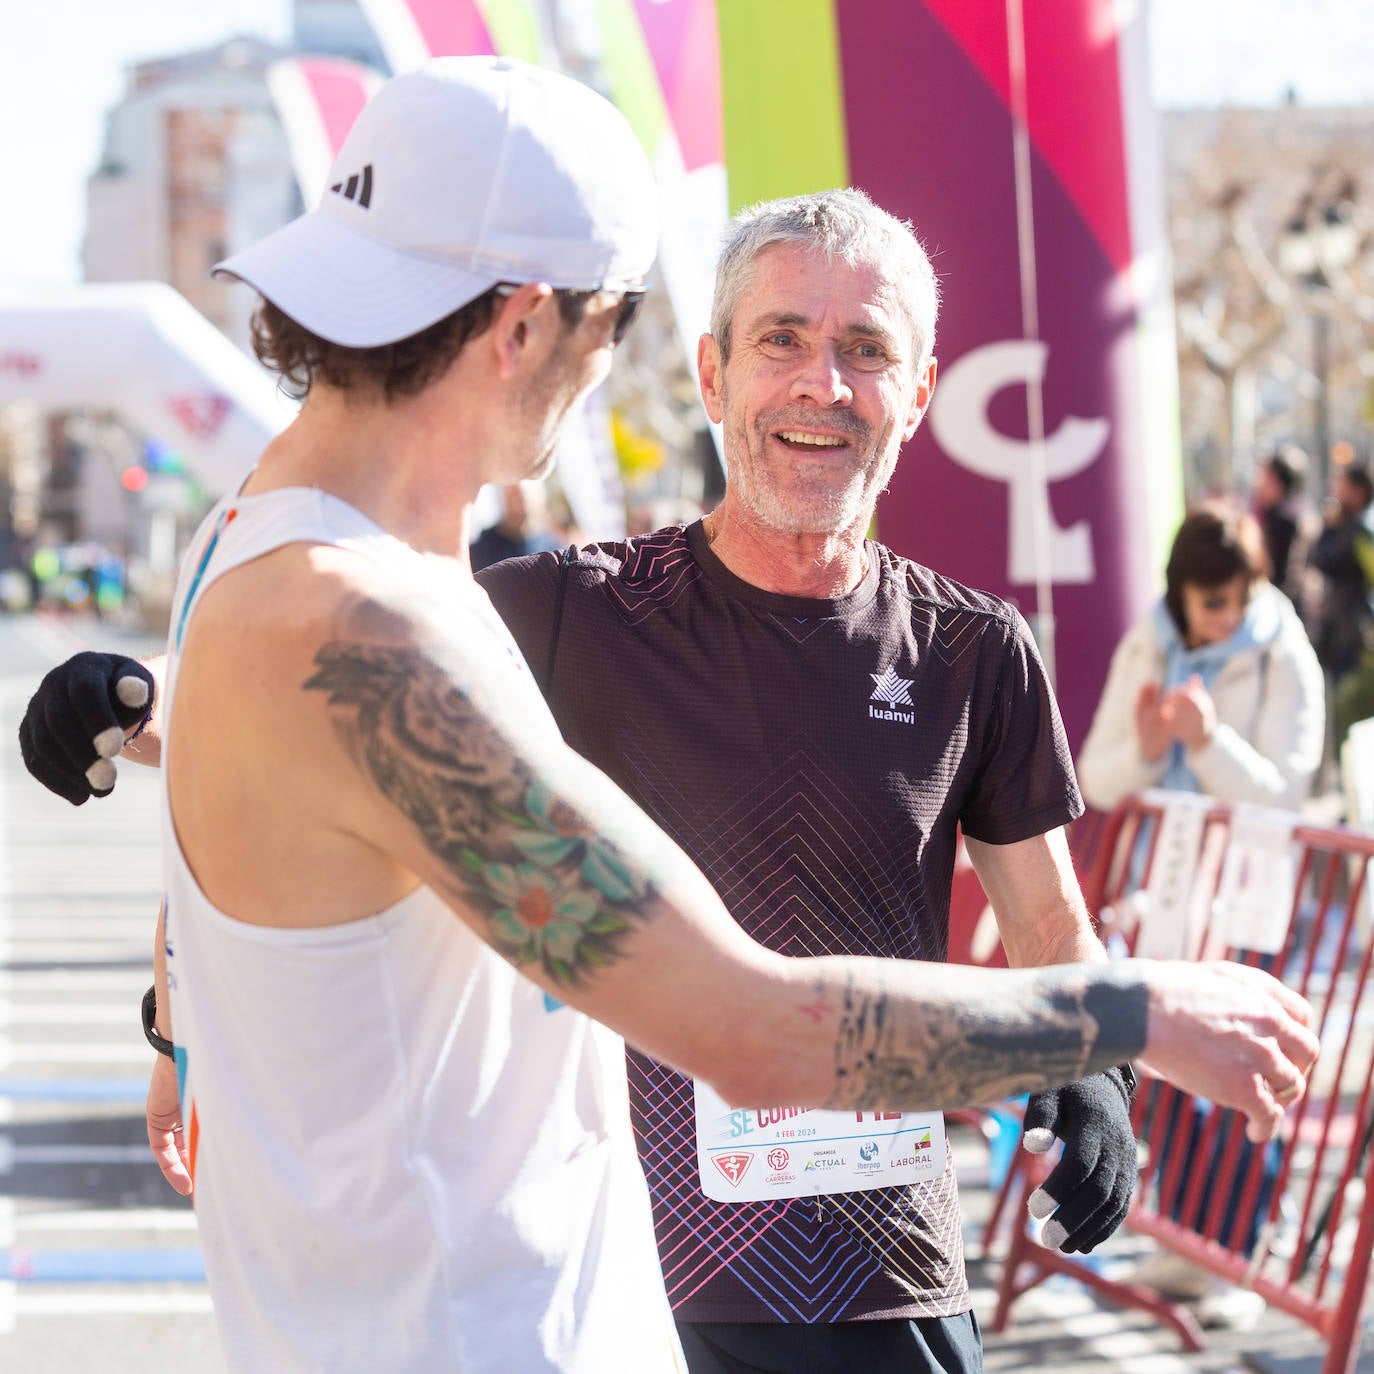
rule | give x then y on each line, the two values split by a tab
1272	225
194	167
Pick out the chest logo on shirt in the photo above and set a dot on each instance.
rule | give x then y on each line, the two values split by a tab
894	692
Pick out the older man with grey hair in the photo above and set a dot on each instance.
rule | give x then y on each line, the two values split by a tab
814	718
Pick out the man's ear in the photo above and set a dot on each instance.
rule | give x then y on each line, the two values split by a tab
521	321
920	401
709	376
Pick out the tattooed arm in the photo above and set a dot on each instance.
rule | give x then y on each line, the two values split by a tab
430	757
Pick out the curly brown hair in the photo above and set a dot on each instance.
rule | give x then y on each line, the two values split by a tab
399	369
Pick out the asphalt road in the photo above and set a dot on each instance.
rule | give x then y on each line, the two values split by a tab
99	1267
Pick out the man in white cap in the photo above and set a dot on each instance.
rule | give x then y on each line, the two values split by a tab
405	1155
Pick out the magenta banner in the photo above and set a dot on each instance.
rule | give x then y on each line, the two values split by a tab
1019	145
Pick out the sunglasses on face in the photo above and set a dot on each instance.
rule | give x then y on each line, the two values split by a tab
627	308
627	311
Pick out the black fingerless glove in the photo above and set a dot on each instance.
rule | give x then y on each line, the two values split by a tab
77	720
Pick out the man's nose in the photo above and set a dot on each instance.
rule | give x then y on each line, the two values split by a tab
822	379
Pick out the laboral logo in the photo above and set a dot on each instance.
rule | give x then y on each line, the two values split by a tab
894	692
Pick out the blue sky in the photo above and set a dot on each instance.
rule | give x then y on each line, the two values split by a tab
62	65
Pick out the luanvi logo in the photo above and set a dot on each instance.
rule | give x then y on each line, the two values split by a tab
893	692
357	188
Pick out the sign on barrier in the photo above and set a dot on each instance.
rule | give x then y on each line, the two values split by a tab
1283	1220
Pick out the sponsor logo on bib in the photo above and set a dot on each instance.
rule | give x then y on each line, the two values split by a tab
734	1166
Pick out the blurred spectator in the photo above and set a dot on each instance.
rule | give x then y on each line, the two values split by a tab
659	512
1344	555
1217	690
522	528
1285	519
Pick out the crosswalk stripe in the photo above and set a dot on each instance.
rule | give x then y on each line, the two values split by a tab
105	1219
81	980
80	1302
125	1264
83	1052
74	1089
79	1154
6	1287
67	1013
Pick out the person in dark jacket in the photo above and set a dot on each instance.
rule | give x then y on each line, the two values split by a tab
1285	519
1344	555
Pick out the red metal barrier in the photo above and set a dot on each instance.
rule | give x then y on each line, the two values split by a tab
1305	1247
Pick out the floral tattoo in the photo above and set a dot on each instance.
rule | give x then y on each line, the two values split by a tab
555	892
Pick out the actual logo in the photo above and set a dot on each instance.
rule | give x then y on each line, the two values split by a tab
894	692
734	1165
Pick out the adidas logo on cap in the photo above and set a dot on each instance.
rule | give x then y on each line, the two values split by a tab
357	188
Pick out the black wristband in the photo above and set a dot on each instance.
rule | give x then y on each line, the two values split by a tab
158	1042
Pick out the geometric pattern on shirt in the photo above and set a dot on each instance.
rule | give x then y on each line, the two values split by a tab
697	662
794	1260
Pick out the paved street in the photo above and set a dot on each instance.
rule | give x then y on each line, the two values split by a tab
99	1268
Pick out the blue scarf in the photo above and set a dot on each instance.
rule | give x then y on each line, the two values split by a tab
1259	627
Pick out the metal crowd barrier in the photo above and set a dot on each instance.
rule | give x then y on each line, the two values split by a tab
1294	1222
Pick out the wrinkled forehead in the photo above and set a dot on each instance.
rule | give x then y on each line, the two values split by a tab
800	285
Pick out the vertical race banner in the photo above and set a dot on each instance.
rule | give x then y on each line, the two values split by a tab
661	59
1020	141
412	31
317	99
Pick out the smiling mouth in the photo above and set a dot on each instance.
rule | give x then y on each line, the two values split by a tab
796	439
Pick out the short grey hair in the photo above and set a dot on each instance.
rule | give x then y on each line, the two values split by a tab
841	225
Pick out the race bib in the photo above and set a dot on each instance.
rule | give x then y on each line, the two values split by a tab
752	1154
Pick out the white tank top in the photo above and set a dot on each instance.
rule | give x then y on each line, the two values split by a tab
407	1159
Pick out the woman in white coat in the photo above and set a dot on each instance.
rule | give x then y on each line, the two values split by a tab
1217	690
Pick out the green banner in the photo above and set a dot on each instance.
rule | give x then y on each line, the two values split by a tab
784	115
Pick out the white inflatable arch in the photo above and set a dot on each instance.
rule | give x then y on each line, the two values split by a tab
143	351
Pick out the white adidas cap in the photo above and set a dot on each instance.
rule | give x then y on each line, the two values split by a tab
463	173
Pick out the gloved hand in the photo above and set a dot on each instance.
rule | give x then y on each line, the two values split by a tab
77	719
1088	1193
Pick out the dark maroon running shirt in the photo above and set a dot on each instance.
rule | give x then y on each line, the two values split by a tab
814	758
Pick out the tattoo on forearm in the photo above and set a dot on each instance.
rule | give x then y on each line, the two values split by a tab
964	1052
554	891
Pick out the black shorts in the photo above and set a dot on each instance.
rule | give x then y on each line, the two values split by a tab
940	1345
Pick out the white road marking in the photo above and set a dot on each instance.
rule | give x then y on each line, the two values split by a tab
84	1303
83	1052
110	1219
81	1154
